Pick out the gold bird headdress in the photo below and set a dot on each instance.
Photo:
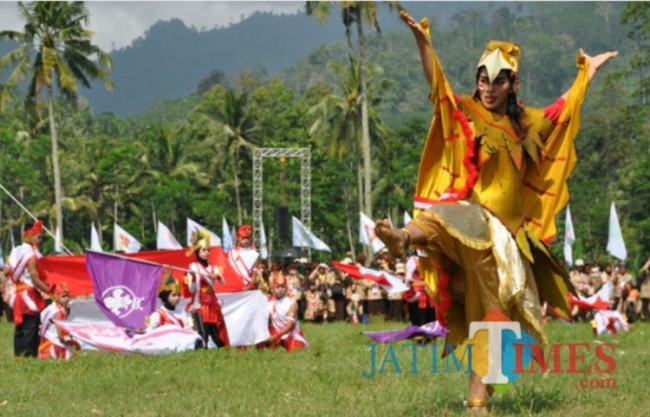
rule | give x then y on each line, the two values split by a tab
499	56
200	239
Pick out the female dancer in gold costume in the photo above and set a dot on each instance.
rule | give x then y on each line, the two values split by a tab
492	178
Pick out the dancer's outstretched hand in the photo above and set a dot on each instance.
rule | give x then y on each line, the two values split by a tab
416	27
597	61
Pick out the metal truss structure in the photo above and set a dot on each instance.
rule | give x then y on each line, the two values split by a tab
305	185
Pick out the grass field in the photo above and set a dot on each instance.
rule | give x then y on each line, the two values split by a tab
326	380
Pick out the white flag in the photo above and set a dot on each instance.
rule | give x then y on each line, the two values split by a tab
227	241
407	218
569	237
124	242
94	239
615	243
58	246
304	238
367	233
165	238
192	226
264	250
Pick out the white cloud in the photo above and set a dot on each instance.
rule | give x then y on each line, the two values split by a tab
117	23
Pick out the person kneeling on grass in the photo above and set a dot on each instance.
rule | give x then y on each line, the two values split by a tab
56	343
283	319
170	294
168	313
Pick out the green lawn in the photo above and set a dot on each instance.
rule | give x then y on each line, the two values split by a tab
326	380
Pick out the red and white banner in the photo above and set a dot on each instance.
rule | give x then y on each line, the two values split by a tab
367	233
389	282
599	301
164	339
246	315
71	269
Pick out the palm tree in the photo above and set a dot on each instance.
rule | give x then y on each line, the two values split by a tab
337	124
231	128
167	159
356	12
53	46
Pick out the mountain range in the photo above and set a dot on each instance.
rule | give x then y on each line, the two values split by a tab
171	59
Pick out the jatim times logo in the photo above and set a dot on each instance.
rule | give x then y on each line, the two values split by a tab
500	351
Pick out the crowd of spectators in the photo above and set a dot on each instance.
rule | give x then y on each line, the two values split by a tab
324	293
629	295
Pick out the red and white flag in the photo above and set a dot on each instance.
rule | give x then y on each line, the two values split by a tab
246	314
599	301
389	282
367	233
124	242
164	339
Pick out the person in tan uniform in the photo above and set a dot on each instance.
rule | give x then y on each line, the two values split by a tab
578	276
395	301
644	284
624	284
314	308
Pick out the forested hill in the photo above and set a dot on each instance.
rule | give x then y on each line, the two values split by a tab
171	59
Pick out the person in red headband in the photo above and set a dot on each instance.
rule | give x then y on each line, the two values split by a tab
27	300
55	342
244	257
283	318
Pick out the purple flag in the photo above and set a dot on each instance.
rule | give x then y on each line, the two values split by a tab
433	329
125	289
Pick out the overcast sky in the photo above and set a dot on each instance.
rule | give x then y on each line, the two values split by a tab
117	23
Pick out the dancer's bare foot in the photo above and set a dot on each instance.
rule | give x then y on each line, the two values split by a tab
396	240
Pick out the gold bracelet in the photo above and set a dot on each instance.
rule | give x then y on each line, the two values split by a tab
410	237
476	403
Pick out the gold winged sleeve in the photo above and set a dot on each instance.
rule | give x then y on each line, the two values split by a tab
446	172
545	191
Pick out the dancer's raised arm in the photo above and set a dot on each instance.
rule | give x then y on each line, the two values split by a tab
421	38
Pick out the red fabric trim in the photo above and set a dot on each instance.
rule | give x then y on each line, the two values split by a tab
452	137
493	124
545	156
21	308
548	240
560	315
553	111
537	190
472	172
448	171
442	306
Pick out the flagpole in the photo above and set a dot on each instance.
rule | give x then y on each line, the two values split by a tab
34	217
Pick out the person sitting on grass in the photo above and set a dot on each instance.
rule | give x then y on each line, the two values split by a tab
283	319
170	295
